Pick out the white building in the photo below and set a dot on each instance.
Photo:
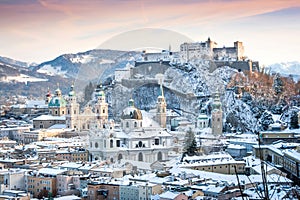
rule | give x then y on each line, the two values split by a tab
140	137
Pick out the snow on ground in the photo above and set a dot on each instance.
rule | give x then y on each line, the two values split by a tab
24	78
52	70
81	59
106	61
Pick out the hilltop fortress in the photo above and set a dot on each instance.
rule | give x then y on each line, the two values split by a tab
225	56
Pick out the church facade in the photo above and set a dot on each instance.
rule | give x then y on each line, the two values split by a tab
140	136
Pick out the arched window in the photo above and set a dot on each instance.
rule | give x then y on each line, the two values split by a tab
140	157
111	143
140	144
159	156
127	124
91	144
111	160
120	157
135	124
96	144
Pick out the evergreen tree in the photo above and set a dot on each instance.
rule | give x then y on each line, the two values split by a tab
88	91
294	120
190	145
278	85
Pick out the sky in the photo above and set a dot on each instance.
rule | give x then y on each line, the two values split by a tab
40	30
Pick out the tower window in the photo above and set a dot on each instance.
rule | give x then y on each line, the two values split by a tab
140	144
111	143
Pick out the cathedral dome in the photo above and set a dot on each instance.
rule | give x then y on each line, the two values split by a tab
57	100
131	112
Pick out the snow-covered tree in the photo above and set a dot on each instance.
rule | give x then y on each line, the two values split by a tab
190	145
278	85
294	120
265	120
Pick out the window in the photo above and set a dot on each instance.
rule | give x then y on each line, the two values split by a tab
156	141
111	143
103	111
96	144
118	143
135	124
159	156
140	157
127	124
140	144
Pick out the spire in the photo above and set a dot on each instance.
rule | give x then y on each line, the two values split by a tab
57	91
160	82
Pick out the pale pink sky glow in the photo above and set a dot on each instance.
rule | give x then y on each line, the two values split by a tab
40	30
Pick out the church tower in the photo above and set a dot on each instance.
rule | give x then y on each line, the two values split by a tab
72	120
217	116
48	97
101	107
161	105
57	105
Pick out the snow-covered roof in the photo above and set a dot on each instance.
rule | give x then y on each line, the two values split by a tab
58	126
169	195
71	165
235	146
51	171
50	117
292	153
274	178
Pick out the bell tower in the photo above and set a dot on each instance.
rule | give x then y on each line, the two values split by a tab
161	106
101	107
217	116
72	120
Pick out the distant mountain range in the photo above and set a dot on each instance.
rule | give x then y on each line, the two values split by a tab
285	69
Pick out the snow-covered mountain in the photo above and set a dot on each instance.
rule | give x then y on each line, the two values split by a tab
285	69
13	62
69	65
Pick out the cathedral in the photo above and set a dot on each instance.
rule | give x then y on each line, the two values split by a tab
140	136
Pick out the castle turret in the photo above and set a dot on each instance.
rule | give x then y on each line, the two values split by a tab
217	116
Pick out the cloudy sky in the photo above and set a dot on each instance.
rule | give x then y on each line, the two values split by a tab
40	30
